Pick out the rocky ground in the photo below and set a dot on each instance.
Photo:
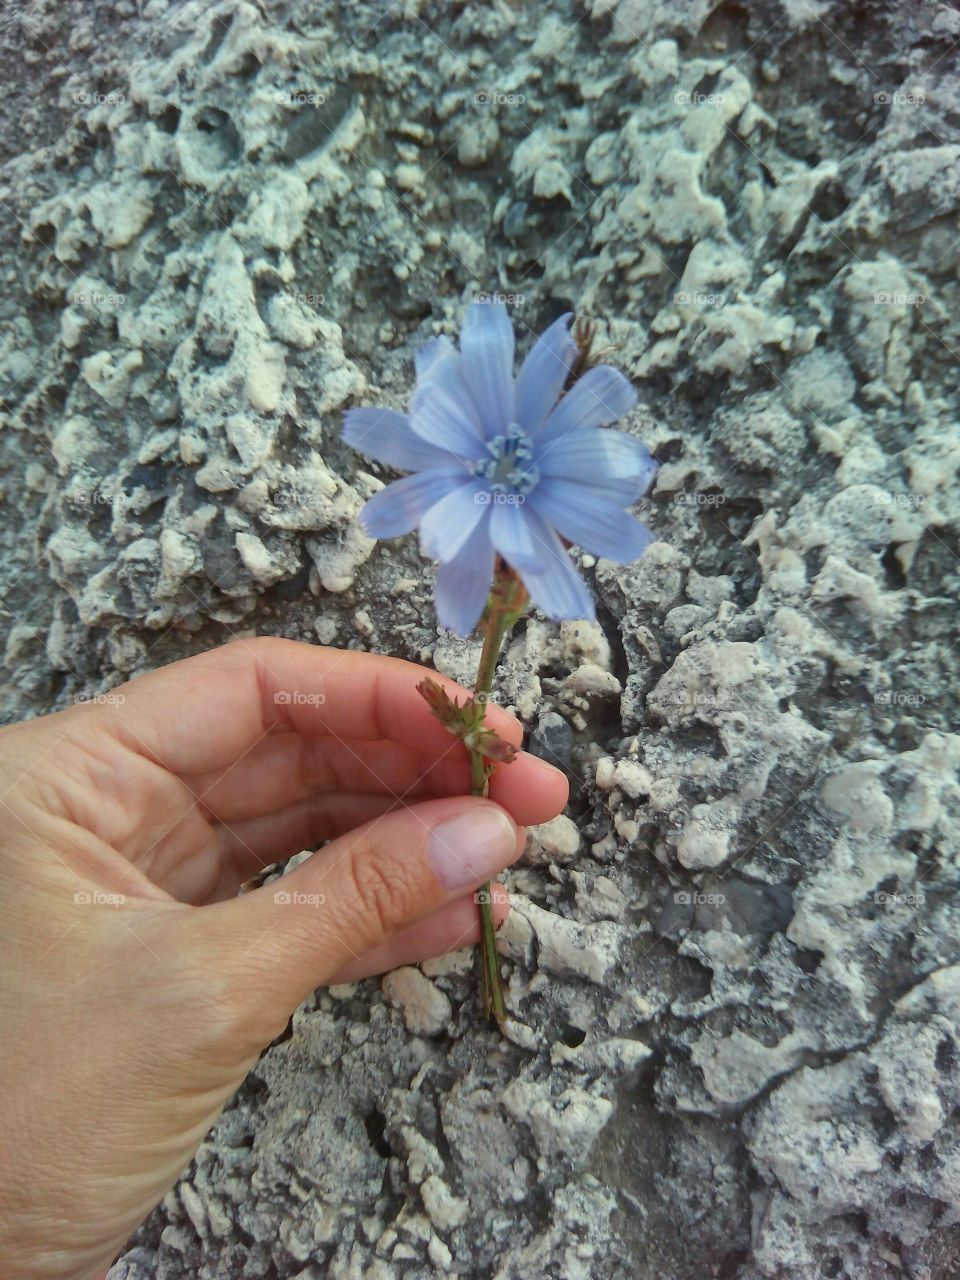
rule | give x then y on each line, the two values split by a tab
735	964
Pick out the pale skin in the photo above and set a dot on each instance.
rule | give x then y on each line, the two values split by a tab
136	988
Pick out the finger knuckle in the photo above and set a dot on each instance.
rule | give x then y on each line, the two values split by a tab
384	888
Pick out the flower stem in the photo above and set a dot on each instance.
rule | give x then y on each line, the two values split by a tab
507	601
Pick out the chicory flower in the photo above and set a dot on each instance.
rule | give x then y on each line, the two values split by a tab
507	467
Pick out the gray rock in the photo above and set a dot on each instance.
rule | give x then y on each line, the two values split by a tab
732	1047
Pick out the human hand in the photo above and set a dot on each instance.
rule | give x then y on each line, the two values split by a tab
136	989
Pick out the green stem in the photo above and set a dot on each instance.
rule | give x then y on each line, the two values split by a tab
507	601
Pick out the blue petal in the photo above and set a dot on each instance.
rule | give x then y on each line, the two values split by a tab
425	357
386	436
446	527
529	544
602	395
463	583
543	373
442	410
486	343
594	523
611	462
400	506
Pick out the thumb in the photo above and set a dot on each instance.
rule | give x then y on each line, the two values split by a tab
288	937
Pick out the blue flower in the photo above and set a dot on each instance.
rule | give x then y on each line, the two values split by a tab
508	467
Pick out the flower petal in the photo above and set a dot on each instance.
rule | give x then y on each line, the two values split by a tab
616	464
463	583
543	373
386	436
529	544
400	506
595	523
486	343
602	395
446	526
425	357
442	410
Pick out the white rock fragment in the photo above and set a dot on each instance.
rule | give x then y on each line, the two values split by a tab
566	1125
265	376
257	559
706	837
426	1010
555	841
584	641
446	1210
109	374
738	1067
277	212
563	946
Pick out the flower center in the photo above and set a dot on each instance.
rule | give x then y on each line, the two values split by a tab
509	468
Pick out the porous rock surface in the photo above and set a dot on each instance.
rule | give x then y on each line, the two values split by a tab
734	967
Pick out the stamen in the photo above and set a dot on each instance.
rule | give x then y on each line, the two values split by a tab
508	468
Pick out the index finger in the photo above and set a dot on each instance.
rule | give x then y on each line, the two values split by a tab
205	712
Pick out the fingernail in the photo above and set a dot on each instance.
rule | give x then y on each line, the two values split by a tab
470	848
